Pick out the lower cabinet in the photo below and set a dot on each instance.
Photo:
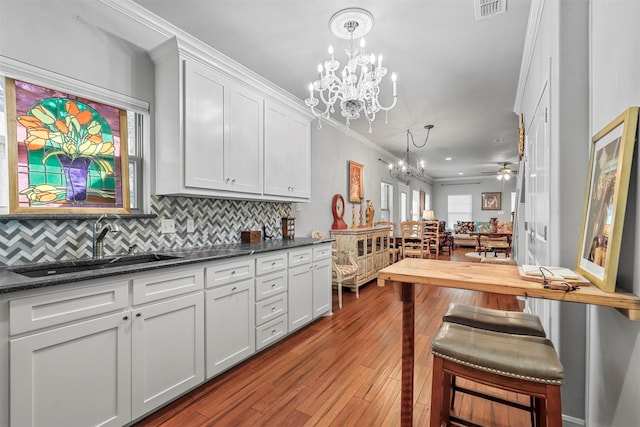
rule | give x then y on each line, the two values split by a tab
230	325
77	375
108	351
167	351
85	365
300	296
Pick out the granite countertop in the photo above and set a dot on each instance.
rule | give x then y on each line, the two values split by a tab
13	282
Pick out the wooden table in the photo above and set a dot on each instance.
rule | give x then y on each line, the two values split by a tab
498	279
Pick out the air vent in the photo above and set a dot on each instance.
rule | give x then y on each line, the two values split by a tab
488	8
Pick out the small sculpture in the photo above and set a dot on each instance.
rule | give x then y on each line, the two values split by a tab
370	213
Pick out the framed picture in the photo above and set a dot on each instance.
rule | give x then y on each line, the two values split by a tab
610	160
66	154
492	201
356	182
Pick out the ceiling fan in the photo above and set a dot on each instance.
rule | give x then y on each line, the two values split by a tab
504	173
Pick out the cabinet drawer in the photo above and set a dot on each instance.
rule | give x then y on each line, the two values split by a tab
271	332
321	252
221	274
42	311
300	257
271	308
270	285
269	264
169	283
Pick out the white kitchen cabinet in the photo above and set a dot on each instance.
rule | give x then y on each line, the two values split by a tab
230	325
322	280
300	296
230	314
76	375
287	142
167	351
209	138
85	355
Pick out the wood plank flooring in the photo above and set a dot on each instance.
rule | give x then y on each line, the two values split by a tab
342	370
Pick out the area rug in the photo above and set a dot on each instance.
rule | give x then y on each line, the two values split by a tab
477	255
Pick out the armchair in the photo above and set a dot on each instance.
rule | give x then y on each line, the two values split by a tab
343	268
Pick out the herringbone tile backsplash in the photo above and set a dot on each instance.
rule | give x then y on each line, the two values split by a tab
216	221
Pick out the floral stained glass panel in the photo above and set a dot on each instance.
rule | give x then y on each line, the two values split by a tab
69	153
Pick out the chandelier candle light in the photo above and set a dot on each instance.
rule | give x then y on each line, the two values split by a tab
357	88
405	168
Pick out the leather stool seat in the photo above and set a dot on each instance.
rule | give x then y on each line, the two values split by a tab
523	364
509	322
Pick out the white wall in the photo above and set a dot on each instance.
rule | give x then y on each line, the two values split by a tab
613	384
558	58
331	150
475	187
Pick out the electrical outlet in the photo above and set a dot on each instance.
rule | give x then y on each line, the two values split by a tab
191	227
167	226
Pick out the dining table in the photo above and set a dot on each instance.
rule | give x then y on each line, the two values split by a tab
408	273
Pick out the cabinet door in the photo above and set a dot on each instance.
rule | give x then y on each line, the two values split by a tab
287	152
230	317
300	296
276	128
321	287
77	375
167	351
299	157
204	132
243	147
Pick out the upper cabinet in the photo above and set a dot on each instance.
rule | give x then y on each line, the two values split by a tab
287	147
217	137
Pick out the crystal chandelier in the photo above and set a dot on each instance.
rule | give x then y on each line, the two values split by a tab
357	88
406	168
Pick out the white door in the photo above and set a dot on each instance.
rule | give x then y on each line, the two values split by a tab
537	185
537	195
77	375
167	351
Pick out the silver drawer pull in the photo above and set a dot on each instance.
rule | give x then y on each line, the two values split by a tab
273	309
233	289
273	286
273	332
233	272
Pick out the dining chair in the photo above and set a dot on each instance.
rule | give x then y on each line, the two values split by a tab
432	234
395	251
414	244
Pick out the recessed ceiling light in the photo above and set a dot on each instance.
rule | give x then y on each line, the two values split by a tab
448	158
499	140
460	173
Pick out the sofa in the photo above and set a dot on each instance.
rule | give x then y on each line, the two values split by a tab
462	231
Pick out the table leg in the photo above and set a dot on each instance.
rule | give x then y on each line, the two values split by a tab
407	296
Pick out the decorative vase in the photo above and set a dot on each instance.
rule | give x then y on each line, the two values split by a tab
76	174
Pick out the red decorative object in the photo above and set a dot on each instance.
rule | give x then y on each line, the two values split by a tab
337	208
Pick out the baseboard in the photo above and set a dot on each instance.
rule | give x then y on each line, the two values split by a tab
568	421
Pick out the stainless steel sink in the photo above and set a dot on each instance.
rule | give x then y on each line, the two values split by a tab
66	267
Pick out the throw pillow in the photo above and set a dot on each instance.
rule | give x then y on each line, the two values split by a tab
482	227
465	227
505	226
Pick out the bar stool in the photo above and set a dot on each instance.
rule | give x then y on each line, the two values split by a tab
509	322
522	364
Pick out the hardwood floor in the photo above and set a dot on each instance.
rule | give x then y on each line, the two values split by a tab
342	370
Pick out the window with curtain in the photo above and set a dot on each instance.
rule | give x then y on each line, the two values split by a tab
415	206
386	202
459	208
